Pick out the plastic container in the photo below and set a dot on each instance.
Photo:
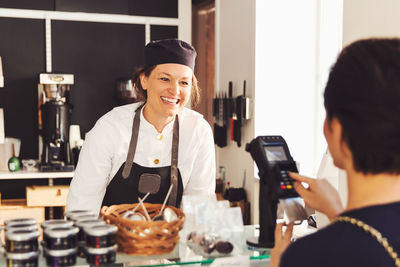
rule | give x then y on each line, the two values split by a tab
100	236
66	257
29	259
101	256
61	238
21	241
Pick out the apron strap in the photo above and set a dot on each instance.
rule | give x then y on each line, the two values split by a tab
174	154
133	143
174	163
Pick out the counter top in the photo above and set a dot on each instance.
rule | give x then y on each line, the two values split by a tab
182	255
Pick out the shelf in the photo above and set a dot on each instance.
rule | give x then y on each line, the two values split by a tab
4	175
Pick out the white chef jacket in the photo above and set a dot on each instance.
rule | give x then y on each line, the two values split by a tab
106	147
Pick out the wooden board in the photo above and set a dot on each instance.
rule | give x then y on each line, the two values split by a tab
47	196
16	208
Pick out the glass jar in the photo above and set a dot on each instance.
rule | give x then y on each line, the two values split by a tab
87	223
100	236
66	257
28	259
60	238
21	241
101	256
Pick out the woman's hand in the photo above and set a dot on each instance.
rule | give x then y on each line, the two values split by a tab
282	241
320	195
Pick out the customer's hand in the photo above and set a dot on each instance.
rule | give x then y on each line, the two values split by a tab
282	241
320	195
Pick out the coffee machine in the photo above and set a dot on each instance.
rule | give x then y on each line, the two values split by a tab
54	121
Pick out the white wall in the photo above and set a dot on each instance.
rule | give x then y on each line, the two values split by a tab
370	18
235	50
286	80
275	50
361	19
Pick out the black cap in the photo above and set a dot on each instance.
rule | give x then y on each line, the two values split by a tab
169	51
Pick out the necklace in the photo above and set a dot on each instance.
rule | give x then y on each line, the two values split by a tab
372	231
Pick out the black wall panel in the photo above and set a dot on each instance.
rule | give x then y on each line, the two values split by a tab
158	32
91	6
155	8
97	54
28	4
22	48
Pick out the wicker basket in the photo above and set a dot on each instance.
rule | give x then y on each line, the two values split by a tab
144	237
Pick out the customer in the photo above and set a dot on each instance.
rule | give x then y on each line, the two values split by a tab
362	128
134	149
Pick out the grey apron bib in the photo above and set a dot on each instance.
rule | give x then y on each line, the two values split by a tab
133	181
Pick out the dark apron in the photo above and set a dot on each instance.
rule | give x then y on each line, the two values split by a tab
133	181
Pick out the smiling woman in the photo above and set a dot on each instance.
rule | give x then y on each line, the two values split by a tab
133	149
142	94
168	90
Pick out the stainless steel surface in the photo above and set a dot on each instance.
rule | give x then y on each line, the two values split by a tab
52	78
56	86
56	91
125	91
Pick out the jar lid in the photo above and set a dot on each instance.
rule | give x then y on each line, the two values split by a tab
56	223
27	227
72	213
89	223
101	250
60	253
22	256
21	235
19	221
60	232
100	230
83	217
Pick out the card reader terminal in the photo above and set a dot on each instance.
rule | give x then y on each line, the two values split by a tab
273	160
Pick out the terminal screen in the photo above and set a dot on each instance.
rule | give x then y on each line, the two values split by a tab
275	153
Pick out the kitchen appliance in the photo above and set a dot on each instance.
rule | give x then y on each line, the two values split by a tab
54	121
125	91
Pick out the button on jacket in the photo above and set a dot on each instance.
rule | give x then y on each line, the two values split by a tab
106	147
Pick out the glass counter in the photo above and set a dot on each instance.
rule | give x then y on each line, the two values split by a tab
181	256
